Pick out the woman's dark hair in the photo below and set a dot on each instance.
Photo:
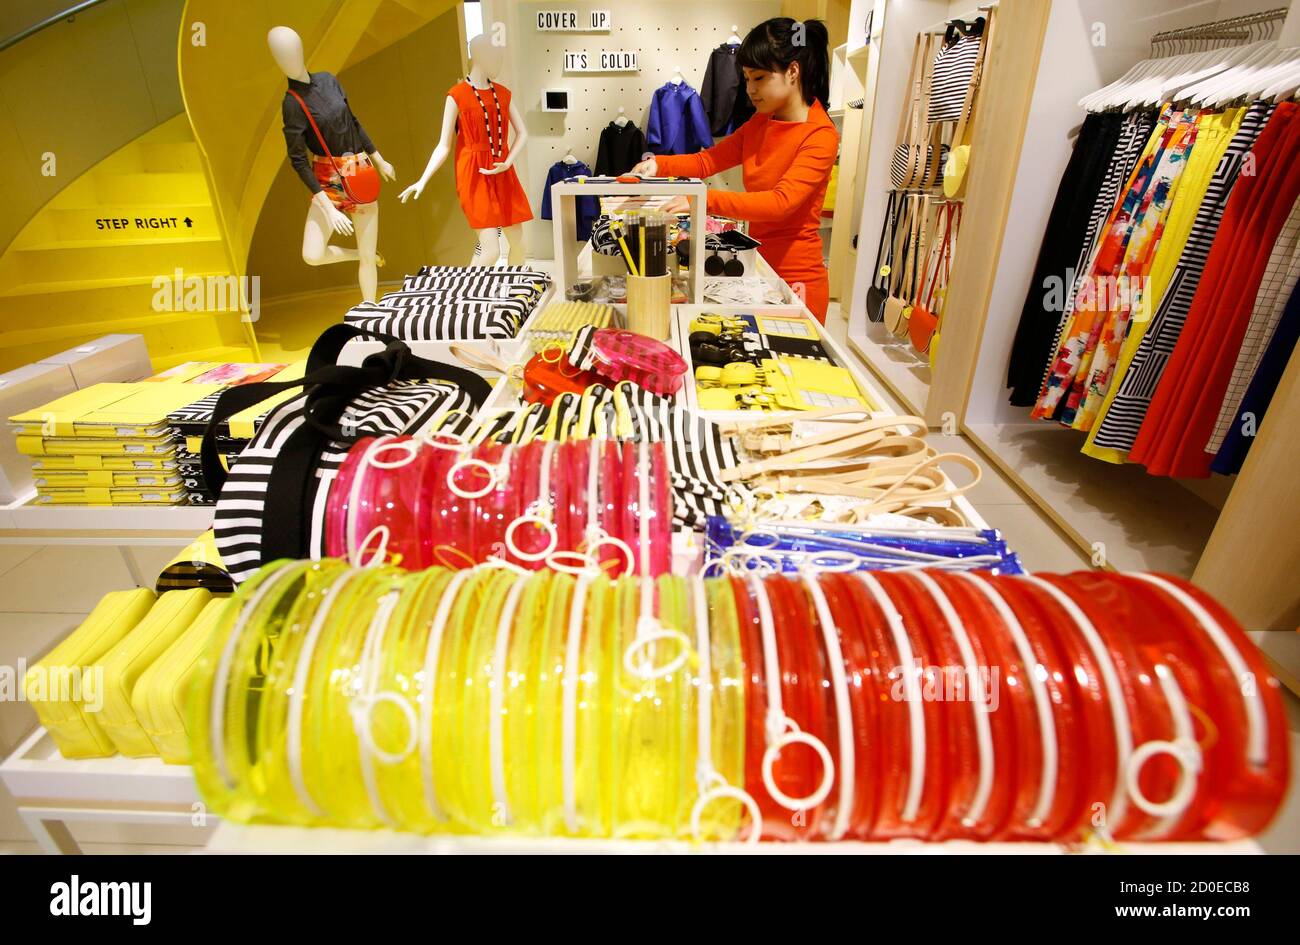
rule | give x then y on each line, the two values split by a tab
773	44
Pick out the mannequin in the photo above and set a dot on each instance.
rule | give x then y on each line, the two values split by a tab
486	182
331	210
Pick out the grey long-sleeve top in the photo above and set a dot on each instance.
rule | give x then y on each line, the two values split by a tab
329	106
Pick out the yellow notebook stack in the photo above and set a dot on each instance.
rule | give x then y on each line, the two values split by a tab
109	444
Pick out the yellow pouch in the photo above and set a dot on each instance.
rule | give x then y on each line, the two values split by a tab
171	495
72	724
160	695
122	667
95	463
804	384
103	478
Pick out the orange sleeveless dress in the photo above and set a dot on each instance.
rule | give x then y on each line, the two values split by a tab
488	199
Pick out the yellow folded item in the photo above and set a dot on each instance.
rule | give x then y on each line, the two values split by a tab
161	692
244	424
67	698
111	410
805	384
170	617
162	447
92	462
170	495
87	478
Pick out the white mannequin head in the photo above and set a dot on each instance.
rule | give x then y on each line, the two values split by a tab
286	50
485	56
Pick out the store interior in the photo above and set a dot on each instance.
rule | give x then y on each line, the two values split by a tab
512	478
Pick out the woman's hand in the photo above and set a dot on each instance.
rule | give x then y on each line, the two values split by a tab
677	204
647	168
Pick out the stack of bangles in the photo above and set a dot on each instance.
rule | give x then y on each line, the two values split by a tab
809	706
436	500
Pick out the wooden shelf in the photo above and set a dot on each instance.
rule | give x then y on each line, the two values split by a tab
1143	522
896	365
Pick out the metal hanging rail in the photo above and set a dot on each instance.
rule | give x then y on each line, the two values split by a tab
1237	29
69	15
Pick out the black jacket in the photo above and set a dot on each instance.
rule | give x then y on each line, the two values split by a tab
620	149
329	106
723	92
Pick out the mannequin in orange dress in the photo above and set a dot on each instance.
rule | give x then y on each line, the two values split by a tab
477	117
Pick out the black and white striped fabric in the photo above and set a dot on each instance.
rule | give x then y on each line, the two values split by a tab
401	407
1121	423
898	165
1132	141
458	320
954	67
455	303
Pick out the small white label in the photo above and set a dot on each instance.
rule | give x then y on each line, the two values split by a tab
87	349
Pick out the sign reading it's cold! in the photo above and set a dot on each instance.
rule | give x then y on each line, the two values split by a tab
600	62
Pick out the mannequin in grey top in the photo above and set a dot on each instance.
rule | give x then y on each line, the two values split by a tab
343	134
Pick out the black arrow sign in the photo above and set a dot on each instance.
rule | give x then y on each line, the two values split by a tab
188	222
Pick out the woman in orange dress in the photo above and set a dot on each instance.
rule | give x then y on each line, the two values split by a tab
787	150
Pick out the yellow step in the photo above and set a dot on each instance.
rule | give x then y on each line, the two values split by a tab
51	262
68	303
170	157
168	334
121	223
150	188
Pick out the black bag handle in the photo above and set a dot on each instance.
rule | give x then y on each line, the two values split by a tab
888	225
326	381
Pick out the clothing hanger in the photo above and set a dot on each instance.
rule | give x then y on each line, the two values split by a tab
622	119
1228	84
1214	62
1096	101
1285	79
569	157
677	78
733	39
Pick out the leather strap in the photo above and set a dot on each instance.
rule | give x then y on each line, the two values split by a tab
972	88
853	439
908	115
343	178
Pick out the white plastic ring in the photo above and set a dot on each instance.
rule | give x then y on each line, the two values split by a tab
1188	755
618	543
477	464
381	550
558	561
797	737
457	444
409	449
735	793
641	668
364	710
552	537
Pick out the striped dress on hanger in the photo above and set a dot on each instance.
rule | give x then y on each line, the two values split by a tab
1119	426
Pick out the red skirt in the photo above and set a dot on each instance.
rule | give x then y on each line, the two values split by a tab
489	200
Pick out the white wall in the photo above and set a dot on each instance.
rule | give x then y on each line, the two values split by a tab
1071	66
664	33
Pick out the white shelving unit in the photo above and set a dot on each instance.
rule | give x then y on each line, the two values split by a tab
123	527
564	208
52	791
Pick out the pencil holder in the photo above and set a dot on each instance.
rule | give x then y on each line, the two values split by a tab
647	305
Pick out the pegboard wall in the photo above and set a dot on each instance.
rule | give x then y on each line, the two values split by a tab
665	34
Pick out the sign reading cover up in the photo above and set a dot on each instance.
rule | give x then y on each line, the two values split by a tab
568	21
618	61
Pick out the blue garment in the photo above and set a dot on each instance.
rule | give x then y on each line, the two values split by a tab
677	122
1268	374
587	206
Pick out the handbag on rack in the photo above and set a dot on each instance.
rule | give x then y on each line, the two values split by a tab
878	291
358	176
955	68
898	310
923	324
954	168
918	158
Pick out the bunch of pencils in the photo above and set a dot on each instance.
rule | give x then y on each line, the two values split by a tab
643	240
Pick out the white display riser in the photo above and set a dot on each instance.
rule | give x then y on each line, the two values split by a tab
51	791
